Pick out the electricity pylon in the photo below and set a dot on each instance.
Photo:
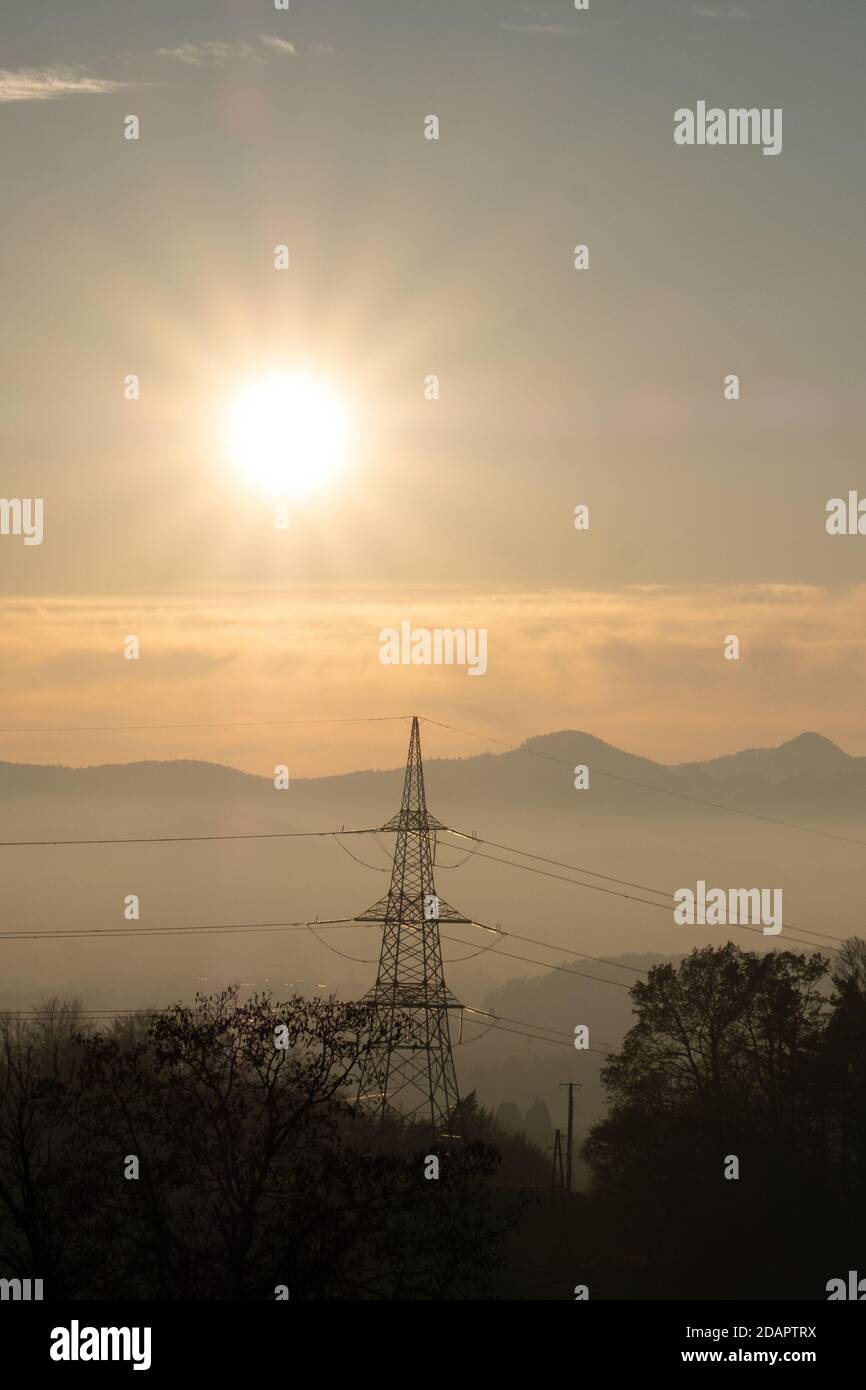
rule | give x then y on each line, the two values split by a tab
409	1068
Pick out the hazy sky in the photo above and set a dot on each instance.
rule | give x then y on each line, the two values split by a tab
454	257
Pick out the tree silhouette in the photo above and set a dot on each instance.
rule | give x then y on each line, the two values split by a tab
253	1169
731	1057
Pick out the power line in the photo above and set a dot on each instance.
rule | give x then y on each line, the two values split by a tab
647	902
362	960
465	1042
375	868
552	946
522	1022
458	960
649	786
596	887
599	979
191	839
214	724
578	868
555	1041
476	852
466	857
558	863
227	927
309	925
347	922
328	834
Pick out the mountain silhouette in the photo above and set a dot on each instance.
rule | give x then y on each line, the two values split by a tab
759	771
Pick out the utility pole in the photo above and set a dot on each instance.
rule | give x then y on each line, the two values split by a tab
409	1067
557	1163
569	1146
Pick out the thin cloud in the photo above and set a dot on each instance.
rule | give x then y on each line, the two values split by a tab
803	666
278	45
215	51
198	54
52	83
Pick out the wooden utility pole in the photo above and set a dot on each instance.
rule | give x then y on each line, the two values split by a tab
569	1143
557	1163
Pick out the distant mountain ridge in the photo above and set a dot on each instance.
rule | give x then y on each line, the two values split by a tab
808	756
807	753
805	779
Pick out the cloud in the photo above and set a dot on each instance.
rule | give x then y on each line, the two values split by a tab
214	51
49	84
278	45
198	54
642	667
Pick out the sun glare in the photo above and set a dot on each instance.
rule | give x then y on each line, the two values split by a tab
288	432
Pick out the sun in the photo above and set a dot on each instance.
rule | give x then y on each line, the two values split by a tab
287	432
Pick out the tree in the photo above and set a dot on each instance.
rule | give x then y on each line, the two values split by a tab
38	1061
538	1125
841	1084
252	1169
720	1064
509	1117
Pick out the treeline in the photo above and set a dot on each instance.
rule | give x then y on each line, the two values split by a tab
185	1155
732	1162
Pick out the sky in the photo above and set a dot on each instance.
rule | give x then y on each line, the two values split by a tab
453	257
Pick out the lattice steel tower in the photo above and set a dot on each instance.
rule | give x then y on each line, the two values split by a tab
410	1067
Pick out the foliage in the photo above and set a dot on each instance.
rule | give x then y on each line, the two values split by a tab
254	1171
